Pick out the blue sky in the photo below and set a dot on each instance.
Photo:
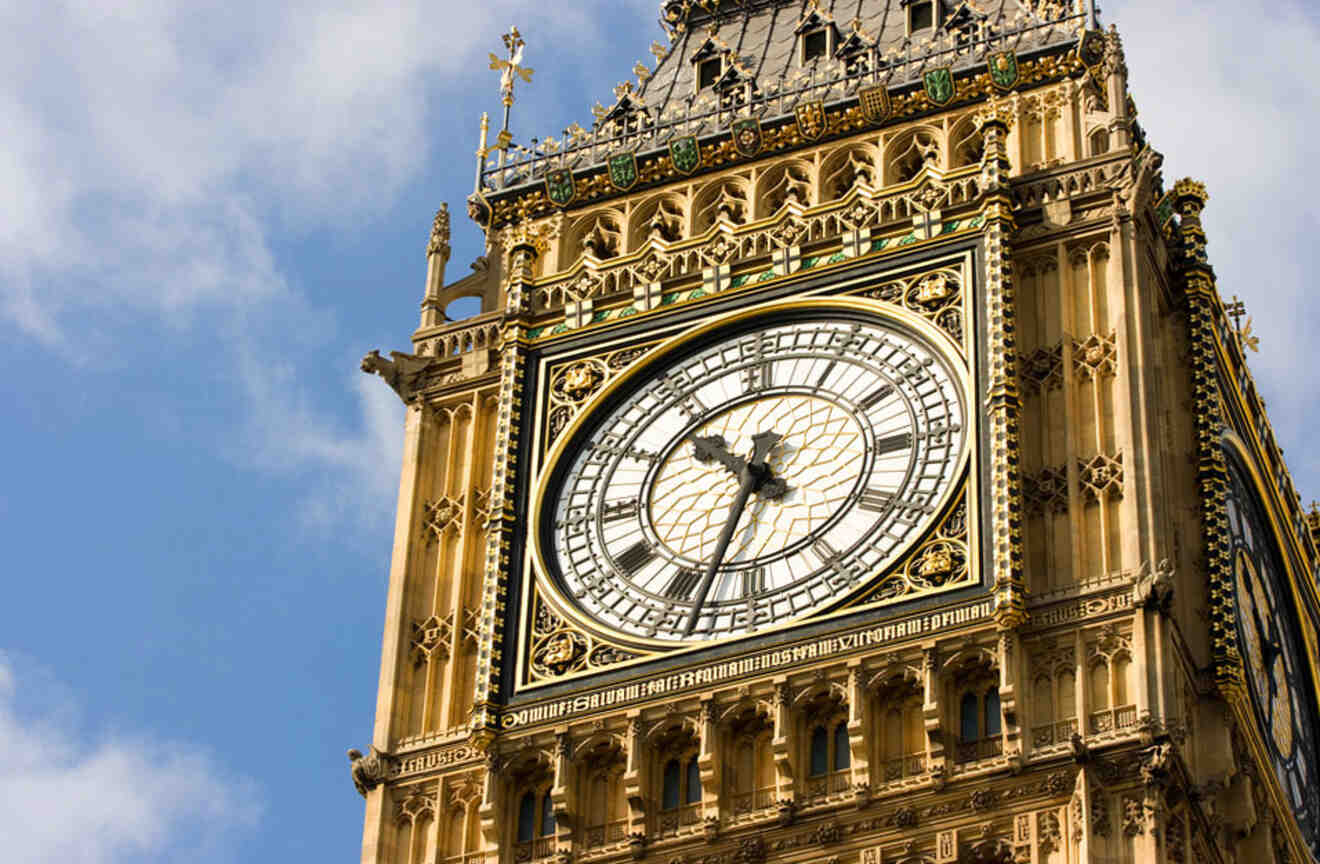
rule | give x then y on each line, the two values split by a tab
208	213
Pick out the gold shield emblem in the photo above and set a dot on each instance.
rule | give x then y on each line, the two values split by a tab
811	119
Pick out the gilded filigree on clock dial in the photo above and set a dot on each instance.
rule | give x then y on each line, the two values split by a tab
756	478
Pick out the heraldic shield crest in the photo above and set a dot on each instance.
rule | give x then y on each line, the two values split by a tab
747	136
685	154
1092	48
811	119
875	103
939	85
559	186
1004	69
623	170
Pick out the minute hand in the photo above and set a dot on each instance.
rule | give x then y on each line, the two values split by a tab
750	479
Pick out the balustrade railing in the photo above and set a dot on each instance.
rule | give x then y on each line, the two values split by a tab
674	821
911	765
826	785
607	834
1112	719
754	801
465	858
982	748
541	847
1060	732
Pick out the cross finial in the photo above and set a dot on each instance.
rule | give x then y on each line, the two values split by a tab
1235	310
510	69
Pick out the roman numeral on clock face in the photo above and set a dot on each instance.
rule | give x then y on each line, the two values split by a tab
758	376
682	585
875	397
753	581
616	510
635	557
893	443
876	500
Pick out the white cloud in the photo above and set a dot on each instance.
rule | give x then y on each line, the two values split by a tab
155	151
1223	94
120	798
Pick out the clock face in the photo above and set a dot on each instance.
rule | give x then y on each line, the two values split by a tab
763	473
1273	657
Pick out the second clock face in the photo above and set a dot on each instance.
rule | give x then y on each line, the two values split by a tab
1274	664
755	479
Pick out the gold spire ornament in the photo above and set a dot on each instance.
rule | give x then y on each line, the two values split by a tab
510	70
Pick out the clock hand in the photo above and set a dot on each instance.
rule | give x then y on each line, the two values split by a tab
713	448
752	476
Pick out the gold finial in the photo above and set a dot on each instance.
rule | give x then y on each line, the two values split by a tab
660	51
1249	341
623	88
641	71
1235	310
509	70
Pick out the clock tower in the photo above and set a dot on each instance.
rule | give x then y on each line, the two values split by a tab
852	461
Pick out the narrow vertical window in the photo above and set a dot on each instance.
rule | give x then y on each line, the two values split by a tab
527	817
842	755
692	790
969	729
992	713
669	786
820	751
547	815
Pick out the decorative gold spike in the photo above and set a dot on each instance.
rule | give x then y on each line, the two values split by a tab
640	70
660	51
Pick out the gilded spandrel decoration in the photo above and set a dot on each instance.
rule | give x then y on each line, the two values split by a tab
937	296
938	563
559	649
574	383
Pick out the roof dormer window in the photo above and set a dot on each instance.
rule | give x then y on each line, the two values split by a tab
815	44
708	73
816	35
708	63
920	16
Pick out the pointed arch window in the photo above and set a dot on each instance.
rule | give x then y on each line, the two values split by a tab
969	728
692	784
993	716
669	785
527	817
820	752
842	753
547	815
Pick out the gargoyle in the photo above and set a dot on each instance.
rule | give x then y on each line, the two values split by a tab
368	771
402	371
1154	590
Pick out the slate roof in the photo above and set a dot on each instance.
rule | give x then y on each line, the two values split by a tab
760	40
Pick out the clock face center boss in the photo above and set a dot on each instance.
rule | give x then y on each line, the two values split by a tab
763	468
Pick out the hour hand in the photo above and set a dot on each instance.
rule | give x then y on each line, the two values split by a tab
713	448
